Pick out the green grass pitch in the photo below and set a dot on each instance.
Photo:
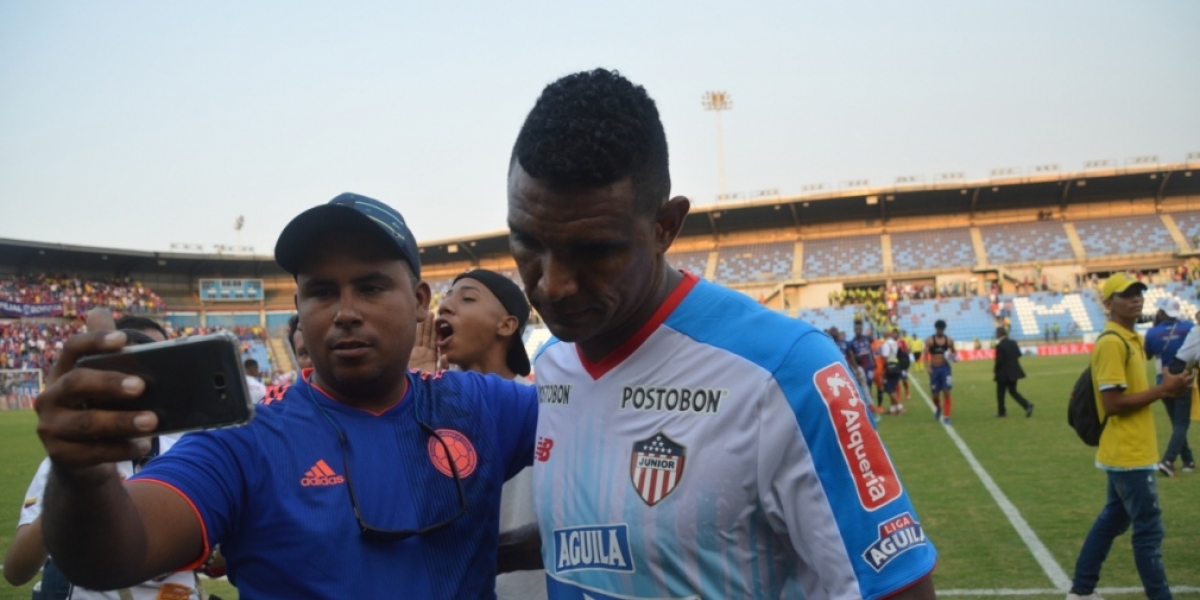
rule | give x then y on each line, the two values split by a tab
1038	464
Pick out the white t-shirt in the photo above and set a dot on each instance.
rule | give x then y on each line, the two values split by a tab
257	390
171	586
516	510
723	452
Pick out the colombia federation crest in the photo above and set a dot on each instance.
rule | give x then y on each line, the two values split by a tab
656	467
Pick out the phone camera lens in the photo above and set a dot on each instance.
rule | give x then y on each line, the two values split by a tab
219	380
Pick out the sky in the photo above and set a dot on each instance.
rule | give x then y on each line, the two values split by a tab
145	124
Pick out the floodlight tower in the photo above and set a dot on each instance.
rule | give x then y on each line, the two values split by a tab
717	102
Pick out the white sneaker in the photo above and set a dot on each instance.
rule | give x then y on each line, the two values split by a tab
1091	596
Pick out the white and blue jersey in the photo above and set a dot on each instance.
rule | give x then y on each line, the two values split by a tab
274	494
723	452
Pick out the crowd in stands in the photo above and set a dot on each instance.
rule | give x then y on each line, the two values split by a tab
36	345
77	295
896	292
27	345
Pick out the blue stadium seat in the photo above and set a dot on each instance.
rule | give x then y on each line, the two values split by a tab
1121	236
692	262
1189	224
928	250
1026	242
755	263
834	257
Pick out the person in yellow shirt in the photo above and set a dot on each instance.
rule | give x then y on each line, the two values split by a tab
918	346
1128	449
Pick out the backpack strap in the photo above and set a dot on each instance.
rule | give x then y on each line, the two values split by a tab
1128	355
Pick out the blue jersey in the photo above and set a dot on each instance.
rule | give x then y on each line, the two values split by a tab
274	493
724	451
861	345
1165	339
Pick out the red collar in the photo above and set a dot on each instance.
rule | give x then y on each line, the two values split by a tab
629	346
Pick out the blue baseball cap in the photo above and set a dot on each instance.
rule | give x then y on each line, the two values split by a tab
347	212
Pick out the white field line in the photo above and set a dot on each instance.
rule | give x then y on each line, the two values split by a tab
1058	577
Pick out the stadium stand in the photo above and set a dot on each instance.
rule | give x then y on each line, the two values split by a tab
755	263
1122	236
927	250
1189	225
78	295
1026	242
33	345
692	262
846	256
1076	313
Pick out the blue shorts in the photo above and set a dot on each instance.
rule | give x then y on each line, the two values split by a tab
940	380
890	383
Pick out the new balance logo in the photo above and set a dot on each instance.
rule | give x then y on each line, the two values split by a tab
321	474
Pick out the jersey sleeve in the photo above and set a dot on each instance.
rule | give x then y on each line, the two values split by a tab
515	409
31	509
828	485
204	468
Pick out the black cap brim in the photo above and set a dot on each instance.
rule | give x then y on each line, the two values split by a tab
517	359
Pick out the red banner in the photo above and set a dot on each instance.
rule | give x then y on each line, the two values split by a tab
1047	350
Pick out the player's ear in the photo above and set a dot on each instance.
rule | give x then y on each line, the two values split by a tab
668	221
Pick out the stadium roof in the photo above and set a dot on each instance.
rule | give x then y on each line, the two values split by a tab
909	199
867	205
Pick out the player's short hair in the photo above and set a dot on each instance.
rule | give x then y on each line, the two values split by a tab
140	324
250	363
293	325
591	129
939	325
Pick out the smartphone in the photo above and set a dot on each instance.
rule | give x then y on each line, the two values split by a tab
192	383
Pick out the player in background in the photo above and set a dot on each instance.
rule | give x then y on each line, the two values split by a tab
703	445
27	553
254	383
904	358
1163	341
479	327
889	352
864	358
918	347
939	350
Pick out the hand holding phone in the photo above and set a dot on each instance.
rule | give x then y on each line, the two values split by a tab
85	418
190	383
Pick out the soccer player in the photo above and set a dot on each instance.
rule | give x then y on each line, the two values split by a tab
699	444
254	384
939	348
27	553
366	481
889	352
864	364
